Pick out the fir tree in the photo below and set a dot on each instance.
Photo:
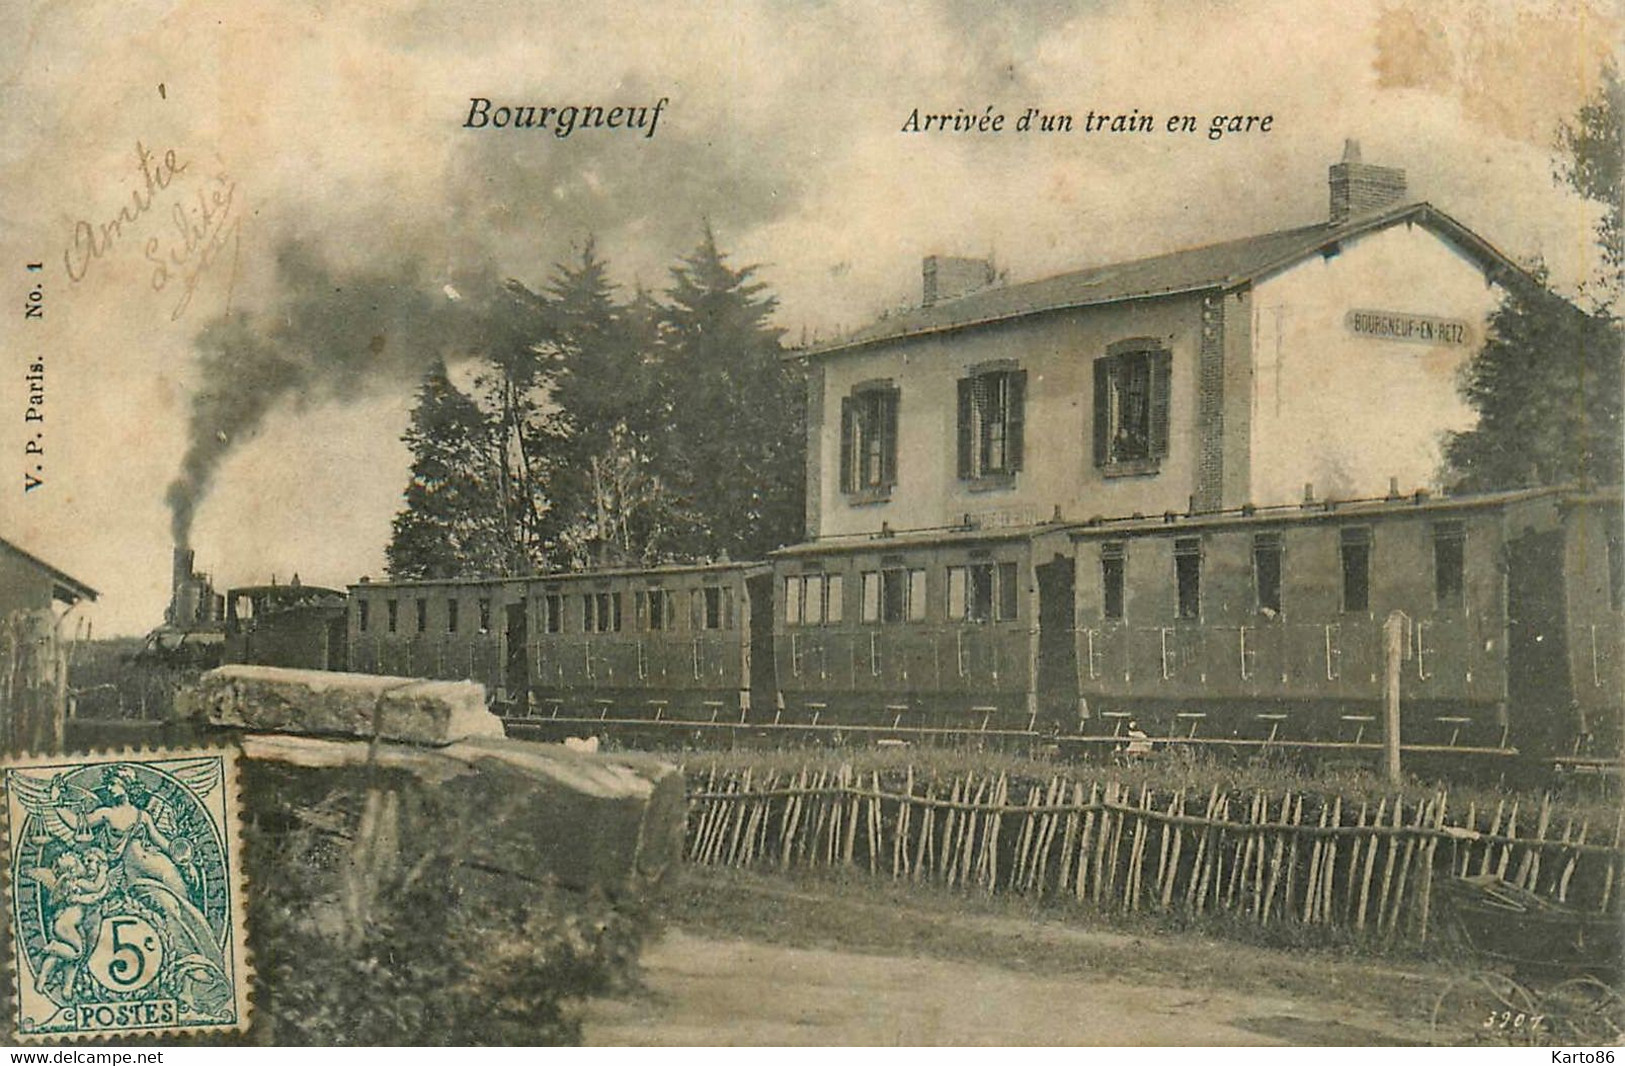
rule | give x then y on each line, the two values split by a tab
454	522
605	503
735	412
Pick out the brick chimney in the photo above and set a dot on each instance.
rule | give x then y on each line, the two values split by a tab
1359	188
949	277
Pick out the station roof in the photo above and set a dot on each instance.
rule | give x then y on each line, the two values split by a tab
1221	266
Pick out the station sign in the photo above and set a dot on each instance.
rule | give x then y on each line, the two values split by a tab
1414	329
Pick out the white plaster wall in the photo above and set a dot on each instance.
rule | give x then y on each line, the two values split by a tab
1344	411
1058	351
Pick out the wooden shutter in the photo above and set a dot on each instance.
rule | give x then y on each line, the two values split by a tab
846	444
888	436
1161	385
966	440
1015	420
1103	428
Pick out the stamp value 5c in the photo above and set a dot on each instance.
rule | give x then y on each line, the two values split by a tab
125	894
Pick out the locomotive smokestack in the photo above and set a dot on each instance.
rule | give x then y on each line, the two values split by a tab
180	584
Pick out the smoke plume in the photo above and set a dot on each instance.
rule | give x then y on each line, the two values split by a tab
334	337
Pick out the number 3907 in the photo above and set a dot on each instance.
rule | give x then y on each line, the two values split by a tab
1513	1021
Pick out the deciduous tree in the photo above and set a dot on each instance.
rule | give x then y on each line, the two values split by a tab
1547	383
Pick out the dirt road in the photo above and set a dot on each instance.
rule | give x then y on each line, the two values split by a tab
704	990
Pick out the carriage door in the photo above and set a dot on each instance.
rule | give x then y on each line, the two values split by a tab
516	672
1057	644
1539	695
338	635
760	673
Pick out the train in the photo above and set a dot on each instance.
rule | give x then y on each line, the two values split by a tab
1255	628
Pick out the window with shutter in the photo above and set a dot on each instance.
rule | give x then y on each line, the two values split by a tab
991	423
1132	395
848	484
869	441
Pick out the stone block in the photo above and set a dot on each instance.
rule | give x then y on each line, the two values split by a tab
511	809
324	703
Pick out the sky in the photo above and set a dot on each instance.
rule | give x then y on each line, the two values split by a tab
323	187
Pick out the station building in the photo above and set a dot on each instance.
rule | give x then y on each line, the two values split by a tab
1324	356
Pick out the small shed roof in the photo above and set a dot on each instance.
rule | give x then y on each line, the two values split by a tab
63	587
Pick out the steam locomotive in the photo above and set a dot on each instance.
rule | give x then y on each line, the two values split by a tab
1259	627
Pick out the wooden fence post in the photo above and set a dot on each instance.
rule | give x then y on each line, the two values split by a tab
1393	632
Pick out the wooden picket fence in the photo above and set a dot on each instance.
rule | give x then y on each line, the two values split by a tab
1370	868
33	682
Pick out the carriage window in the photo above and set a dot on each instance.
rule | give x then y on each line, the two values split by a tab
1188	576
813	601
654	609
394	609
982	592
1009	586
662	609
710	608
894	595
485	615
363	610
980	605
1449	561
804	599
833	586
1267	571
601	612
423	615
1112	557
1356	557
553	612
451	616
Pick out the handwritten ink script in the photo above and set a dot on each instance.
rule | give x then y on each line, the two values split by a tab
184	226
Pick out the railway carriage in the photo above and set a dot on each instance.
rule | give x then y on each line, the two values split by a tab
1269	624
1246	628
669	643
665	642
926	631
451	629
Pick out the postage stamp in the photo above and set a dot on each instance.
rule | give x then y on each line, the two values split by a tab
125	893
